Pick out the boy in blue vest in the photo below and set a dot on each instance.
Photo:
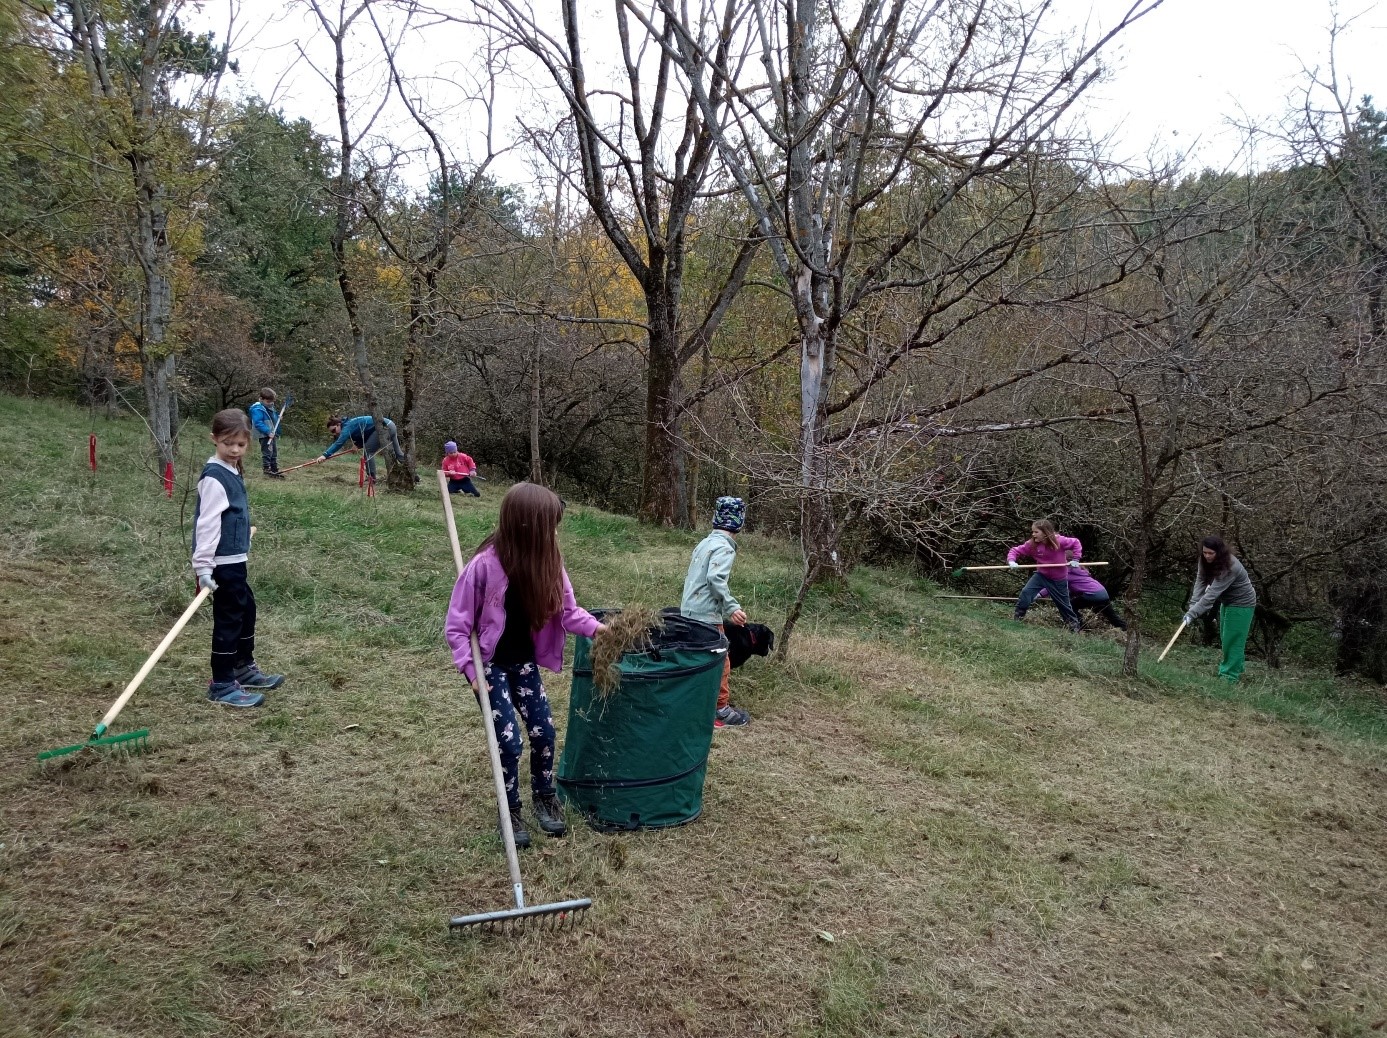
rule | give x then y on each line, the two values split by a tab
221	546
266	420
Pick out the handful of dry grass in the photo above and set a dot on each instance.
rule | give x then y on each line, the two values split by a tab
626	631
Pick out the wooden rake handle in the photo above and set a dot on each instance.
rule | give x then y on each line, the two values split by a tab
320	460
498	775
1168	644
154	657
1028	565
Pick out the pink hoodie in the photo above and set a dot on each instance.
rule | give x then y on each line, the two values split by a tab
1046	556
479	600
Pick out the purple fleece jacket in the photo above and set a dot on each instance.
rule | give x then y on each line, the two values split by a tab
479	600
1081	582
1046	556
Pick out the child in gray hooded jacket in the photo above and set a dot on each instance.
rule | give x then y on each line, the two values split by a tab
708	597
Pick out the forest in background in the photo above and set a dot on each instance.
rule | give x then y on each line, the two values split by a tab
849	260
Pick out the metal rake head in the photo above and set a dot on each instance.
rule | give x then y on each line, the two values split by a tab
562	915
125	744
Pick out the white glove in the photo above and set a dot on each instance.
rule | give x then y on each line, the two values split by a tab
204	580
1189	620
1013	564
1073	563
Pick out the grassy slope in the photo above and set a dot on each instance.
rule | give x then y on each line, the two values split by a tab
999	840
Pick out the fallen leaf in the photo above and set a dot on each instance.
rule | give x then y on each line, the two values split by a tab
824	935
343	970
351	728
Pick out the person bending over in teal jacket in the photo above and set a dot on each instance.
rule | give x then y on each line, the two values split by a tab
362	432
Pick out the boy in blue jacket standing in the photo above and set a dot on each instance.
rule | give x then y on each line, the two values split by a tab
265	418
707	596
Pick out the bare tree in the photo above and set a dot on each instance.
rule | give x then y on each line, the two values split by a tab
422	240
896	157
337	25
643	170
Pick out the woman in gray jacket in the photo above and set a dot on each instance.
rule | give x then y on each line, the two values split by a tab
1221	580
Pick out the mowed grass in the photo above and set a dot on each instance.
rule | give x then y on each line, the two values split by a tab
939	823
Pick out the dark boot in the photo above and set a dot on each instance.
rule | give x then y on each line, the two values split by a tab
517	828
549	812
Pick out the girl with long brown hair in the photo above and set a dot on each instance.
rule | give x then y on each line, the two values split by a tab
1054	555
1222	581
517	596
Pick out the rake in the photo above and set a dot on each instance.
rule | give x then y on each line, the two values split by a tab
129	742
319	460
1049	565
558	915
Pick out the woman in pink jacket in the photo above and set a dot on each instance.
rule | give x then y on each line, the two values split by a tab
516	595
1054	555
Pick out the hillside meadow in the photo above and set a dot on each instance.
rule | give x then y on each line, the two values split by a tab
939	822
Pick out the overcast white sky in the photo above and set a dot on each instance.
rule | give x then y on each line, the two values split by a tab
1178	77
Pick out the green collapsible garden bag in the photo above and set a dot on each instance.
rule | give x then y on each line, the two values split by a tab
636	758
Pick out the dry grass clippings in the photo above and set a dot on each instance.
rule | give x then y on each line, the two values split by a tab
626	631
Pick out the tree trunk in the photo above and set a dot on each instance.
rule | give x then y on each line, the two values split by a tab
536	468
157	379
695	460
807	581
662	485
1132	599
401	478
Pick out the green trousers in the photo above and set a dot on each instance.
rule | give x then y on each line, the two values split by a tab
1234	623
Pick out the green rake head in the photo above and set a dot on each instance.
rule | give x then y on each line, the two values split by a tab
562	915
127	744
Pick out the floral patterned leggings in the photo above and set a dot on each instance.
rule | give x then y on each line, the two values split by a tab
518	688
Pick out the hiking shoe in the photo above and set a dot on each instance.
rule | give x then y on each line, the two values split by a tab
251	676
230	693
275	474
549	813
730	717
517	828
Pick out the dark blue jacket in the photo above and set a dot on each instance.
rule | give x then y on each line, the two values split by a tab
235	533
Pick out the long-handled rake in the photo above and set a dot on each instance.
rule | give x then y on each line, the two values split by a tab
1050	565
554	916
129	742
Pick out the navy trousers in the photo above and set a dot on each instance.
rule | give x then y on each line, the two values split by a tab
1058	589
269	454
233	621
